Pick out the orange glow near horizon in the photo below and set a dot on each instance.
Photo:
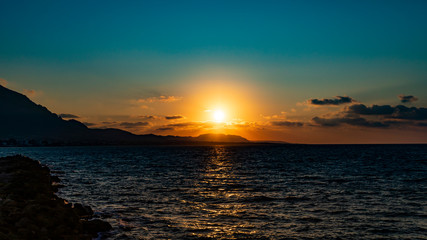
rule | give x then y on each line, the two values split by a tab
221	98
221	103
211	102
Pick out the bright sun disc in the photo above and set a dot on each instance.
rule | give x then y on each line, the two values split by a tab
219	116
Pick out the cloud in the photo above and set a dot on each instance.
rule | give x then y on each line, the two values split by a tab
109	122
133	124
281	116
3	82
375	116
373	110
67	115
287	124
173	117
163	99
407	98
31	93
327	101
186	124
191	125
412	113
165	128
361	122
148	117
88	124
247	124
397	112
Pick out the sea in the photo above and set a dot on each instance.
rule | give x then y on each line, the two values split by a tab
246	192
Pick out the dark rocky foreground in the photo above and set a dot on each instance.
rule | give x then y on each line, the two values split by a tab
29	208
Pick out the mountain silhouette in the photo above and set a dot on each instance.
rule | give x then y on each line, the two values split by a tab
22	118
25	121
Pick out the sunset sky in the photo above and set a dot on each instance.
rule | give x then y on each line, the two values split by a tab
295	71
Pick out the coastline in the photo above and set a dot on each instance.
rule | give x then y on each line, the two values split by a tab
30	209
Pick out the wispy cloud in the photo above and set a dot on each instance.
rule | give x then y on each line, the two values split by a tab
3	82
282	115
163	99
148	117
186	125
106	122
32	93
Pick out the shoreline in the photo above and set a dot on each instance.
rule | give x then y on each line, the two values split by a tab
30	209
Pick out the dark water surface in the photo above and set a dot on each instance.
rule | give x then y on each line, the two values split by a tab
261	192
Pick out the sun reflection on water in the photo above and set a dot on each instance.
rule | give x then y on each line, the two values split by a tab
218	201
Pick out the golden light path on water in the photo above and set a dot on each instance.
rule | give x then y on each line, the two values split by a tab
222	209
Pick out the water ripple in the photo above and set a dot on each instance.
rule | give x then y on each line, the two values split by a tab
265	192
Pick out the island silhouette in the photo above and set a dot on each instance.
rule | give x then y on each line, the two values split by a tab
23	122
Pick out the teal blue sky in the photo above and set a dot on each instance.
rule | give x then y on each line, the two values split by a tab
89	57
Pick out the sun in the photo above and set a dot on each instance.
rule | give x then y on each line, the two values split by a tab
219	115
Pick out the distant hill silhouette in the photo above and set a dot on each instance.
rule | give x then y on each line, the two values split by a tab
27	122
220	138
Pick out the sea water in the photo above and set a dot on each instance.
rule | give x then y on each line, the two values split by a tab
247	192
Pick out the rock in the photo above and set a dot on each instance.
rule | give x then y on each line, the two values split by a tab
95	226
9	202
23	222
55	179
29	209
82	211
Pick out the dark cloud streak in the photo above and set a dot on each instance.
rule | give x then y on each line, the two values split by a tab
287	124
407	98
361	122
133	124
326	101
173	117
165	129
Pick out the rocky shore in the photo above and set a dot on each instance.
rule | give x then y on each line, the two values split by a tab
29	208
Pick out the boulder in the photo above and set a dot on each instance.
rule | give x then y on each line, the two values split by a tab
95	226
82	211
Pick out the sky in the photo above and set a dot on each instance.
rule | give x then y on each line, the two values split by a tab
294	71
